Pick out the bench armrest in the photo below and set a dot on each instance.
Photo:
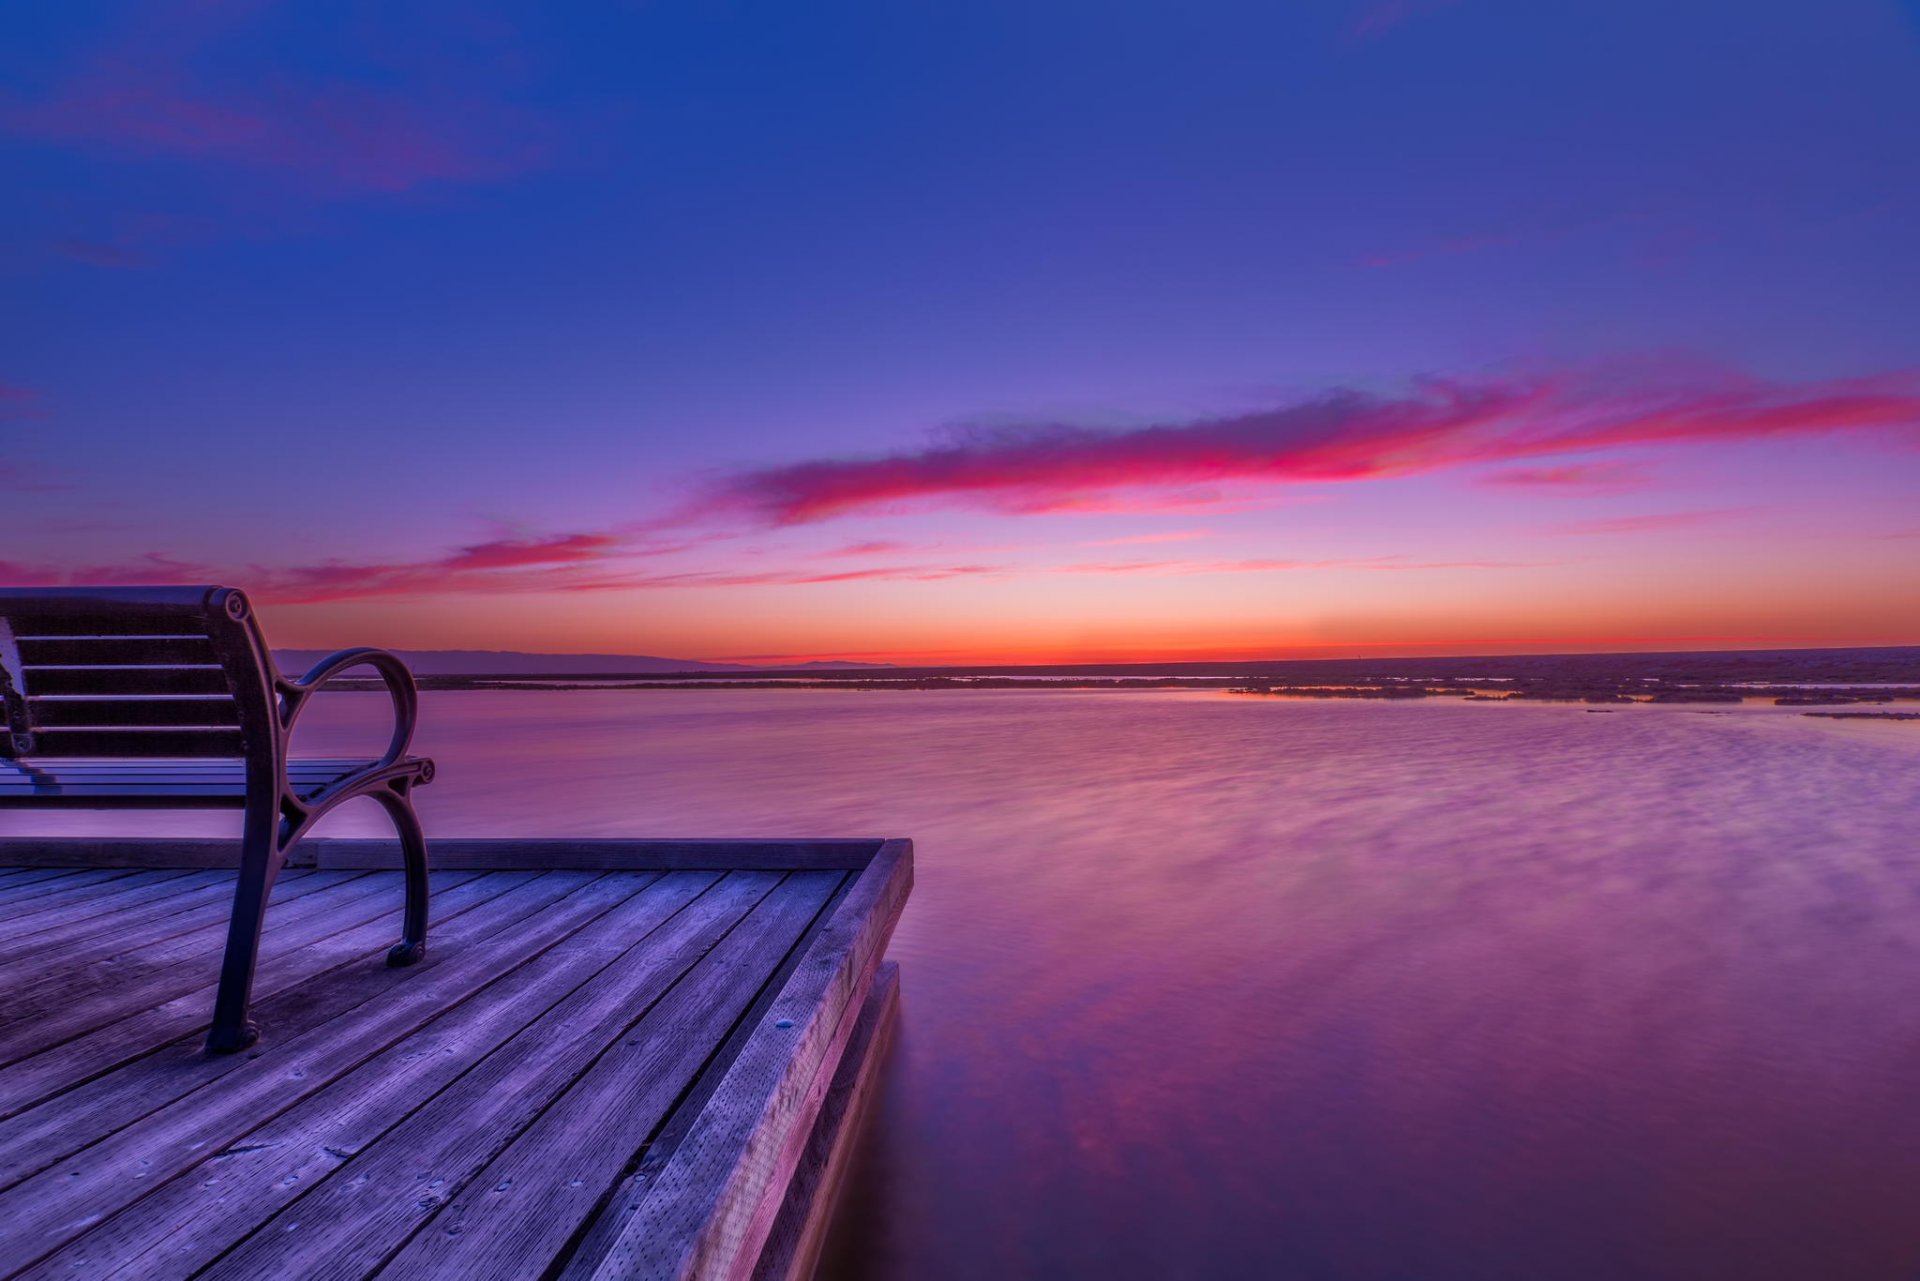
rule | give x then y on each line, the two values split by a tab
400	687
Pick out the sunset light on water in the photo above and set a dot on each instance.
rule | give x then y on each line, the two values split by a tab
1062	639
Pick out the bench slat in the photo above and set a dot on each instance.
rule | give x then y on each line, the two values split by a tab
127	680
193	710
138	742
125	622
92	651
127	766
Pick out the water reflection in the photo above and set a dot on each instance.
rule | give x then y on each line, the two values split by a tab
1205	986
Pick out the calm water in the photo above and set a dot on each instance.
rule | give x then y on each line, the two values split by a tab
1201	986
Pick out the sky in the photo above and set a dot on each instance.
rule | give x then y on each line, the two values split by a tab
972	332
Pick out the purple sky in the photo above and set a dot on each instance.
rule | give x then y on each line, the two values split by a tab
973	331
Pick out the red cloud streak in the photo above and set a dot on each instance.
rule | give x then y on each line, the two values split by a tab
1651	522
504	564
343	137
1610	476
1339	436
588	563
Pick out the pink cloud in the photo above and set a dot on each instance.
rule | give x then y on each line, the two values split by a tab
1651	523
1137	540
99	253
151	568
500	565
341	137
1336	437
167	91
493	566
781	577
1389	564
1611	477
507	553
27	480
577	562
1163	503
593	562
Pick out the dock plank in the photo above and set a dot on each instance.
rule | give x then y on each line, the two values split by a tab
71	1119
144	946
161	920
353	1221
35	884
798	1236
39	1076
44	1211
488	853
163	895
667	1037
708	1211
516	1216
22	912
44	1012
187	1224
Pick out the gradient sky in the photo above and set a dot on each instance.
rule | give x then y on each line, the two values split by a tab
983	331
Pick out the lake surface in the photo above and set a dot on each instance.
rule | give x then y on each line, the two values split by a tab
1198	985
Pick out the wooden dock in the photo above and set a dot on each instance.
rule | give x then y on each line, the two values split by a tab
620	1059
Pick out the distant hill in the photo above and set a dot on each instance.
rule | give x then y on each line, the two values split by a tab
503	662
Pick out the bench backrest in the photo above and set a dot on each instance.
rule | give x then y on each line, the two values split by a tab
133	671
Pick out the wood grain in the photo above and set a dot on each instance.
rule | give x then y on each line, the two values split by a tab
672	1039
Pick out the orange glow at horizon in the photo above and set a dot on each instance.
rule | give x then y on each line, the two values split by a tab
992	630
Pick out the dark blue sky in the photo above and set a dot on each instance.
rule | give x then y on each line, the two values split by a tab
354	286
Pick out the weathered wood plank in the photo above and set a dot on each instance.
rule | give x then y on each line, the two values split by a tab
202	907
58	896
41	1213
166	893
35	884
67	1120
54	1006
661	1144
799	1232
191	1221
129	1153
520	1212
355	1219
84	1058
708	1212
144	893
81	851
496	853
706	855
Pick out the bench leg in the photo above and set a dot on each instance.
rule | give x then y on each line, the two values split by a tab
413	849
260	860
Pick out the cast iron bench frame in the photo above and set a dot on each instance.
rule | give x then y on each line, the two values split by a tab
106	708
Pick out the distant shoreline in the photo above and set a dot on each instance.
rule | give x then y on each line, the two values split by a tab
1790	678
1484	690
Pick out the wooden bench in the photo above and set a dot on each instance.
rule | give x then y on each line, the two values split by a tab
167	697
